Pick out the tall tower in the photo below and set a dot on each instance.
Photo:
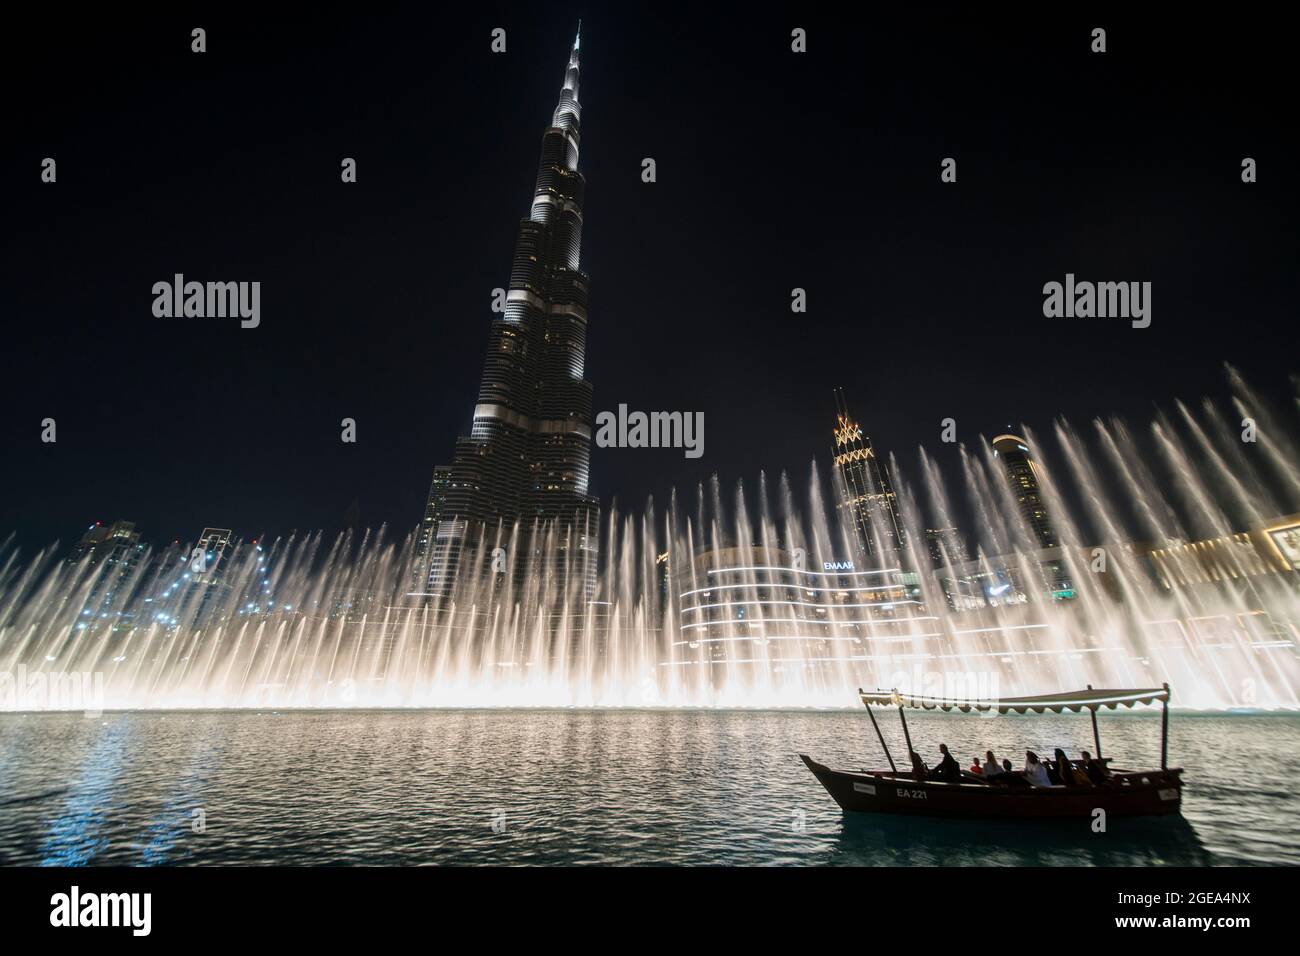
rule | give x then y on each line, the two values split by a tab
1022	473
864	493
528	453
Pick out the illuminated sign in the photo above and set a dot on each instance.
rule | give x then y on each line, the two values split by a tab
1286	540
837	565
208	551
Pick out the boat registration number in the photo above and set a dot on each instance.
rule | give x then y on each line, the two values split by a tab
864	788
910	794
1170	793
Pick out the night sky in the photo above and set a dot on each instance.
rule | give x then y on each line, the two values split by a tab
775	170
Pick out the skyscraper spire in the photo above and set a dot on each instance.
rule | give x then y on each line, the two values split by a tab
568	110
527	456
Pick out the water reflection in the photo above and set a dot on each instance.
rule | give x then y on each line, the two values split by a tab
902	841
590	787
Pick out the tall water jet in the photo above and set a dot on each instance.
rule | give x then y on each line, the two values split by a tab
1172	557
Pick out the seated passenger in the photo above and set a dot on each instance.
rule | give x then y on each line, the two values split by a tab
1010	778
1094	769
919	773
992	769
1065	771
1052	777
1035	772
975	767
947	769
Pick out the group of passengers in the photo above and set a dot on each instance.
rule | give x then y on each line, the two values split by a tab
1059	772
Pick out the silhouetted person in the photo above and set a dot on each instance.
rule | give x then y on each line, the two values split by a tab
947	769
919	773
1065	770
975	767
1009	778
1094	770
1053	778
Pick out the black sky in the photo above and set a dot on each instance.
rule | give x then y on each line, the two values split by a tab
775	170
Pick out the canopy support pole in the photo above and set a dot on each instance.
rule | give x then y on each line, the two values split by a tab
884	746
906	736
1096	737
1164	732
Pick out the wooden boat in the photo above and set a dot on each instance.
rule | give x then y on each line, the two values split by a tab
1124	792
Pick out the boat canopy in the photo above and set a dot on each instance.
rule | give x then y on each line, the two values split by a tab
1076	701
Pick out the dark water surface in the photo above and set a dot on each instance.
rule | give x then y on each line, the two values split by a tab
594	787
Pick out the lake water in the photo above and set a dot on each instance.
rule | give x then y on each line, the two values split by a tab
595	787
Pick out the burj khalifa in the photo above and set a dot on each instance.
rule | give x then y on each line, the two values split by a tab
527	456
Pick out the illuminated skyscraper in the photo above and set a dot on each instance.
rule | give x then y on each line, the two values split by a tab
114	553
113	544
864	493
527	456
1022	472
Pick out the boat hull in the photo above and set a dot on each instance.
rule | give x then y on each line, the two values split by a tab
1145	793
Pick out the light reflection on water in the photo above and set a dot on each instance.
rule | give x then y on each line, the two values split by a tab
566	787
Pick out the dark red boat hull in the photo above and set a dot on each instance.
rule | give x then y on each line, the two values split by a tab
1131	794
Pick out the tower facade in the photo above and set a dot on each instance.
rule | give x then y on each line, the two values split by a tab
864	493
115	551
426	535
1022	474
527	457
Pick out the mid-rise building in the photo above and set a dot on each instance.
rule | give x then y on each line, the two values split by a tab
945	546
745	605
1272	547
426	535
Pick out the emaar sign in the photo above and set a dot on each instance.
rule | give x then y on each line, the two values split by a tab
837	565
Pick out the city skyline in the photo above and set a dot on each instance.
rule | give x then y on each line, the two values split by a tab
686	316
358	510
